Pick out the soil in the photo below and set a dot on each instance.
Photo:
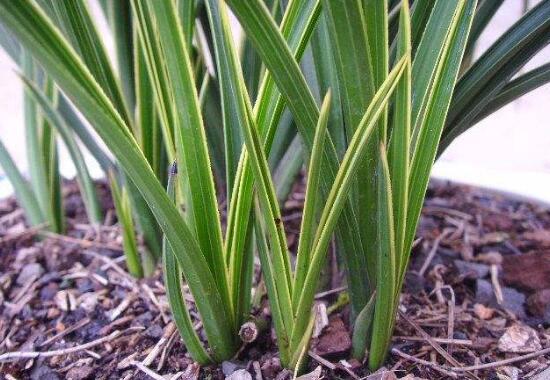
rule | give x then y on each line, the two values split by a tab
477	295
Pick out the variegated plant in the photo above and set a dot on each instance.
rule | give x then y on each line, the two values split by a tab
398	86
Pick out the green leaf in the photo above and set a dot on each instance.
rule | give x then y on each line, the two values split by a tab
361	328
356	83
191	148
352	56
124	216
338	195
312	202
147	121
296	28
495	68
211	111
33	137
279	60
119	14
22	190
74	19
485	12
275	295
430	49
327	78
515	89
242	112
399	144
176	297
376	22
85	182
37	34
69	114
187	9
384	308
232	119
154	75
430	123
145	220
289	166
420	14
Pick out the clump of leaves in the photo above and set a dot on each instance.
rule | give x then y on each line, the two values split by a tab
397	90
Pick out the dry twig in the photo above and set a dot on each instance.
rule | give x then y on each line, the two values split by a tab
434	366
19	355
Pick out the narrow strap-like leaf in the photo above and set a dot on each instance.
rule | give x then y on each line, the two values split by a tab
307	227
339	194
275	295
430	124
10	44
242	112
124	216
399	144
173	279
279	60
75	20
523	84
429	51
356	84
289	166
496	67
485	11
155	74
420	14
361	328
22	190
187	9
85	182
296	27
33	136
384	307
351	51
376	22
327	78
38	35
67	111
119	14
190	138
229	92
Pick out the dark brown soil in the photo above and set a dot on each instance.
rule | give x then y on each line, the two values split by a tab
477	292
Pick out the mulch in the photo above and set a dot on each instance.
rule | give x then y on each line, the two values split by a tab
476	302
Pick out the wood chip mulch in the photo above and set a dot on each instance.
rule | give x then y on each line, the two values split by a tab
476	302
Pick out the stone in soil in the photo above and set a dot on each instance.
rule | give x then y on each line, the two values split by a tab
471	270
530	271
513	300
520	339
240	374
335	340
80	373
228	367
43	372
483	312
538	304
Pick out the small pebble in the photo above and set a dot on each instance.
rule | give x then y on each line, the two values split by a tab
519	339
483	312
228	367
154	331
240	374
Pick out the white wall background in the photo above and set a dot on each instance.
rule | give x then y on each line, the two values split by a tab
508	151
